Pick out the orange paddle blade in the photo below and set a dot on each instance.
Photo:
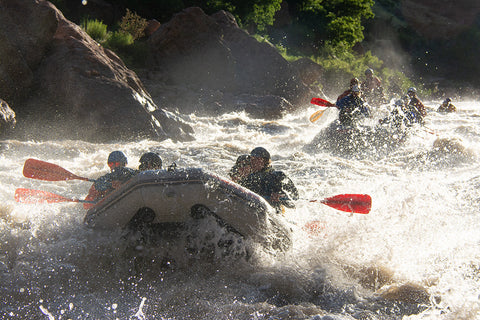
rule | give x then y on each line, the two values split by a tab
41	170
316	115
31	196
23	195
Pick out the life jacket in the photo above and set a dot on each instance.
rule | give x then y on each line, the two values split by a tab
371	84
447	107
351	108
108	183
269	181
344	94
419	107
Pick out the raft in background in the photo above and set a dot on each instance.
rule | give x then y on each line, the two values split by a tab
185	194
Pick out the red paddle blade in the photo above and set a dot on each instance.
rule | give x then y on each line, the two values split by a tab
356	203
322	102
41	170
23	195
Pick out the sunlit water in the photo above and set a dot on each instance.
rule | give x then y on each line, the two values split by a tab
414	256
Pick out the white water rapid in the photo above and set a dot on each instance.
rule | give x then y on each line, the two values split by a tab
414	256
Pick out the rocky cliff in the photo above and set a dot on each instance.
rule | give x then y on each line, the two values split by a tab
62	84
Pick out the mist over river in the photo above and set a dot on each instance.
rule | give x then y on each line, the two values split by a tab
416	255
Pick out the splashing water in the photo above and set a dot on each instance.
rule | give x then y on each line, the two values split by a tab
415	255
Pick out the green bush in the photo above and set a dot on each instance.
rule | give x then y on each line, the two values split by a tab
118	39
262	14
341	64
133	24
96	29
135	55
340	57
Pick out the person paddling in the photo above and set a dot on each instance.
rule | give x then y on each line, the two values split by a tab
273	185
415	108
118	175
352	108
447	106
397	117
353	82
372	88
150	161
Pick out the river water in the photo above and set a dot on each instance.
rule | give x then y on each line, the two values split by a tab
414	256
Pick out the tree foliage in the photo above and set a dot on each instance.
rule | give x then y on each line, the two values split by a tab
256	14
333	21
315	22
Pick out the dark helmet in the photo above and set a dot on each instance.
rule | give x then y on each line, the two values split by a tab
369	71
150	160
242	161
117	156
260	153
412	89
447	100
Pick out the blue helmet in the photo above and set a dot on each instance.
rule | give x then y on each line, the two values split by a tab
117	156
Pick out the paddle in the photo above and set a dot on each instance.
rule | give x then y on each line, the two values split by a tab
354	203
23	195
320	102
316	115
41	170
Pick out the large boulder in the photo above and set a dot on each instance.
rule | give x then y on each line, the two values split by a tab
212	56
68	86
26	30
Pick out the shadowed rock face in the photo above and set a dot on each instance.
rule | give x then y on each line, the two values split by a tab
65	85
440	19
212	55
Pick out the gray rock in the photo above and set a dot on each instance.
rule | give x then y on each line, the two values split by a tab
211	55
66	85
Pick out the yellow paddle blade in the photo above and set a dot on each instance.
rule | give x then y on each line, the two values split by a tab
316	115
